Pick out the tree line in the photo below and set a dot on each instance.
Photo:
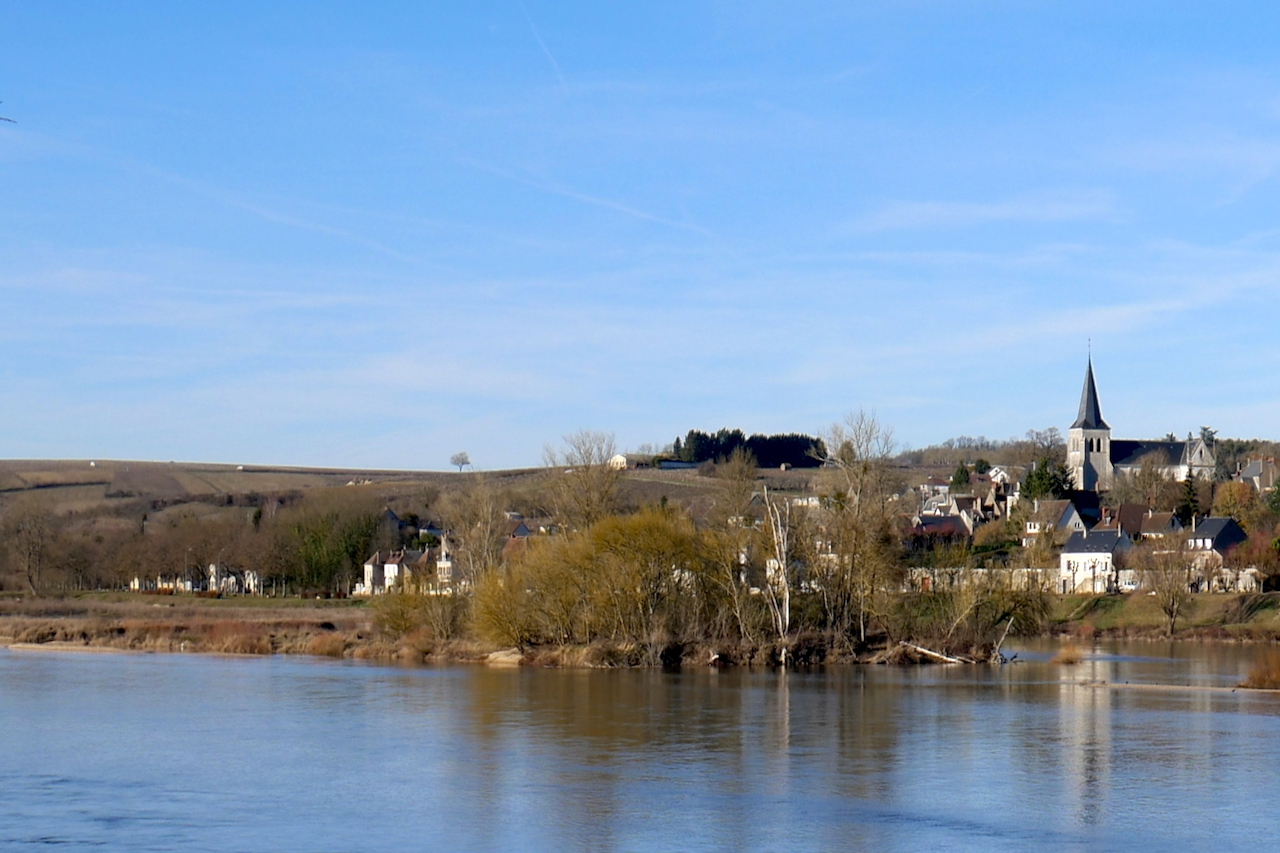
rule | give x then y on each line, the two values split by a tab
795	450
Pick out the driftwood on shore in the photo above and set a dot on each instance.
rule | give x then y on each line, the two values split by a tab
929	653
903	652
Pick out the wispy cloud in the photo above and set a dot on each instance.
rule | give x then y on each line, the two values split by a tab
546	50
557	188
1063	207
1247	161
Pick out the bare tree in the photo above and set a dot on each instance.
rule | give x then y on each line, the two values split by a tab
29	528
860	560
476	526
462	460
778	570
736	535
584	486
1165	571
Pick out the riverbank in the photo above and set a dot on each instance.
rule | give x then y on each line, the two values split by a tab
350	629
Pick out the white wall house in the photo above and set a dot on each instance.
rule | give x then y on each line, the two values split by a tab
1088	563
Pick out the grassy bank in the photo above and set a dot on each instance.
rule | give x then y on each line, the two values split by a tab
1229	617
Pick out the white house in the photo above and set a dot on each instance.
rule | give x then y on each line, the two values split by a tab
1050	515
1088	563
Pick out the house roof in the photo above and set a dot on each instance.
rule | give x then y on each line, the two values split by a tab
1128	517
1055	512
1090	416
1222	532
1262	469
1094	542
1157	522
1253	469
516	546
940	525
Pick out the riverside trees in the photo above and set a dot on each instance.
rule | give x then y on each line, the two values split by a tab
642	578
859	562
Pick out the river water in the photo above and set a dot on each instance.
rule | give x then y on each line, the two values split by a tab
191	753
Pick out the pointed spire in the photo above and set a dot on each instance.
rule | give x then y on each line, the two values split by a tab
1090	416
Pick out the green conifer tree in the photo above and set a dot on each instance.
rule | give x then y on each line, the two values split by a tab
1189	503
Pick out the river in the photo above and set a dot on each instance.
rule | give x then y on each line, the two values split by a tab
191	753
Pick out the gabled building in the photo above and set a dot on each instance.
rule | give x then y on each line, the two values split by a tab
934	486
1095	459
1126	517
1211	540
1260	472
1050	515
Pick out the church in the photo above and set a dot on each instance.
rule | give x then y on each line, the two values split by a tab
1095	459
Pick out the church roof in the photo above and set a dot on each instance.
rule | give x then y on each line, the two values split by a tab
1090	416
1127	452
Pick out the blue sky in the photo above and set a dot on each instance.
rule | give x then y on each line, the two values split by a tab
377	234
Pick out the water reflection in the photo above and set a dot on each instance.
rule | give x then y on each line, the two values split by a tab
169	752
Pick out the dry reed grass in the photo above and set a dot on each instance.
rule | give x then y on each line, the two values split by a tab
331	645
236	637
1265	674
1069	655
375	651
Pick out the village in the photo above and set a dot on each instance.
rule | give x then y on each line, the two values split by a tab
1054	525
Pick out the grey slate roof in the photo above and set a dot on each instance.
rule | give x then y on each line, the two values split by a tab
1253	469
1128	452
1090	416
1095	542
1223	532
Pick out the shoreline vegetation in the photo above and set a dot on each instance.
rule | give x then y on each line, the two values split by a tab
361	631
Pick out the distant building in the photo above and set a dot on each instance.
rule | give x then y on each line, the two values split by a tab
625	461
1261	473
1050	515
1095	459
934	487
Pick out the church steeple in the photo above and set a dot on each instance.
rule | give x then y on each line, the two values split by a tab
1089	441
1090	416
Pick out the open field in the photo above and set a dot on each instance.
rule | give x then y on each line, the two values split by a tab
122	478
74	486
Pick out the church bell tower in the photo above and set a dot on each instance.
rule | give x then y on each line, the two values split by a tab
1089	441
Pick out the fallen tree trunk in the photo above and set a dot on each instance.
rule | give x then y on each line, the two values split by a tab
929	653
